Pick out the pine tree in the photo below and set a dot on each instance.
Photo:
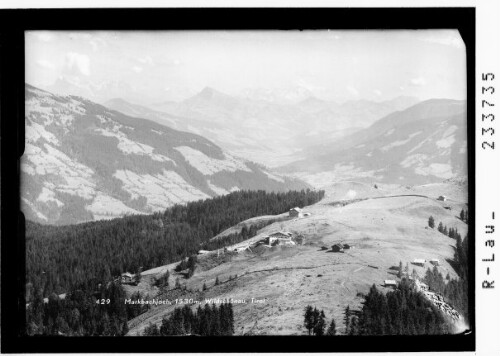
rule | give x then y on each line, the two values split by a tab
440	227
165	279
331	329
319	327
431	222
217	280
204	288
138	276
353	324
445	231
347	316
400	270
152	330
309	319
177	283
462	215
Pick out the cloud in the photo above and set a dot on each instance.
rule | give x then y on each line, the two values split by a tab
46	64
352	90
377	92
137	69
417	82
79	62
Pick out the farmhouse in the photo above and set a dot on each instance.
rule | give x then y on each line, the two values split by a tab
442	198
241	248
390	283
280	238
434	261
347	246
338	248
127	277
295	212
203	252
419	262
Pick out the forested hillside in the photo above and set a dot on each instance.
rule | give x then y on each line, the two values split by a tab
63	258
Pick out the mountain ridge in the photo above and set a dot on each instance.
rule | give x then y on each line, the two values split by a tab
84	162
422	144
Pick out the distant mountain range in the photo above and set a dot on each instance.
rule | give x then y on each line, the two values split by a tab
83	161
273	132
422	144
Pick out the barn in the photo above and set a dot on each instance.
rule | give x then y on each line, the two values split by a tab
419	262
338	248
280	237
295	212
434	261
127	277
442	198
390	283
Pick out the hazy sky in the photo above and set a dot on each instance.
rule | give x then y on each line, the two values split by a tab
334	65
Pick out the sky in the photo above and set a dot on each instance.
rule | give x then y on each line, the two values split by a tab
151	67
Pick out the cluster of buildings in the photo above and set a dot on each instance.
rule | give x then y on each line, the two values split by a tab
421	262
283	238
127	278
297	213
340	247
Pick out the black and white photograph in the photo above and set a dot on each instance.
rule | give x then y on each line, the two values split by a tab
245	183
280	179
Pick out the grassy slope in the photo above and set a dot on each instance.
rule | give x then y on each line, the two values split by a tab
384	232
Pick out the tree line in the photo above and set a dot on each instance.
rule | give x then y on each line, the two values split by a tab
81	313
315	322
450	232
455	291
65	258
207	321
403	311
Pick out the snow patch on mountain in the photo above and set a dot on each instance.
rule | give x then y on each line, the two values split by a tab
208	165
161	190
